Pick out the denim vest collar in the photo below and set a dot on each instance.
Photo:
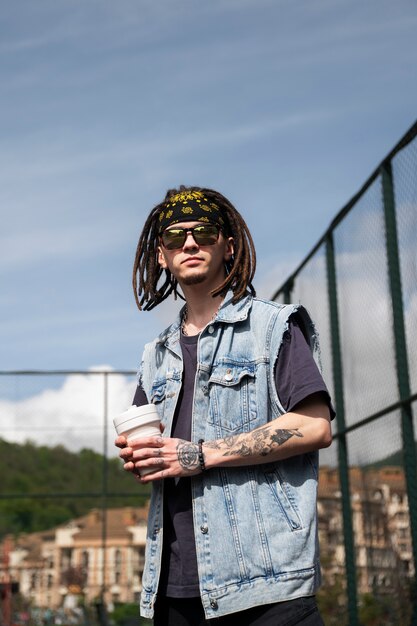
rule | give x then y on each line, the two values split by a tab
228	312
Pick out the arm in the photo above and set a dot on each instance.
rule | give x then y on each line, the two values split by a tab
302	430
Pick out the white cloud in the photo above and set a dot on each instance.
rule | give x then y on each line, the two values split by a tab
71	415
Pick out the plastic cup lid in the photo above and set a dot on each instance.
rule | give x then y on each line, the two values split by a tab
146	414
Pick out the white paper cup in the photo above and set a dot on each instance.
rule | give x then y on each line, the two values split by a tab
138	421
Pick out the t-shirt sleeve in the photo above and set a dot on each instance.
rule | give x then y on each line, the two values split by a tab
140	397
297	375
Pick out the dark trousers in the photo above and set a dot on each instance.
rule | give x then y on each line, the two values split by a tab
189	612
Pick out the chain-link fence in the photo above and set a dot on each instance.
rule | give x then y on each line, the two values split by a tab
360	285
72	522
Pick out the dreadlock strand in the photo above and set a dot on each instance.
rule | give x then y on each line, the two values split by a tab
242	270
146	269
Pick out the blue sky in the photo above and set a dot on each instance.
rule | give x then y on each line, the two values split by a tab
286	107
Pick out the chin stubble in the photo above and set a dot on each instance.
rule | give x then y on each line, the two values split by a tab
194	279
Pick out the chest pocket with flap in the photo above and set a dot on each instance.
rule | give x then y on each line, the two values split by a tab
232	393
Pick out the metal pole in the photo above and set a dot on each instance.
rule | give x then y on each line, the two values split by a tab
6	608
104	492
342	448
287	291
401	359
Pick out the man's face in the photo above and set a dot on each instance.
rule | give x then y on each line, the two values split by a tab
193	263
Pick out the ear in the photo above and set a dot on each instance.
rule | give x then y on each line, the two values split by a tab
161	258
229	249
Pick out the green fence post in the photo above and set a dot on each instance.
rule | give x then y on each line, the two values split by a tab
401	360
350	561
287	291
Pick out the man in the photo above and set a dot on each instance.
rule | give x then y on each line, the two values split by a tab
232	528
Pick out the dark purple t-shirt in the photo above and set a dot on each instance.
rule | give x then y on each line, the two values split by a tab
297	377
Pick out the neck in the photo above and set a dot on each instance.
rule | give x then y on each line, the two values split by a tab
199	312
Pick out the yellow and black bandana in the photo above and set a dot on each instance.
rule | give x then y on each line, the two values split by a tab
190	206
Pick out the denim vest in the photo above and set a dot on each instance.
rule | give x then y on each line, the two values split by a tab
255	526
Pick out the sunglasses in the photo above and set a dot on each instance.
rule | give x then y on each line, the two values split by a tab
203	235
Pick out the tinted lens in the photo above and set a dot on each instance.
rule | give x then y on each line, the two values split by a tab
173	238
204	235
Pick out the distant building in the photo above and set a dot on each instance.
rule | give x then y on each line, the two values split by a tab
95	560
381	528
53	567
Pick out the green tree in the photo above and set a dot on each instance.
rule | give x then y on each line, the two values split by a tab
376	611
331	600
50	486
128	615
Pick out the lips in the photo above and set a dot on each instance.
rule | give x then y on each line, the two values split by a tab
192	259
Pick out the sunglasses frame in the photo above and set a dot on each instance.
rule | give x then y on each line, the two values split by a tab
185	233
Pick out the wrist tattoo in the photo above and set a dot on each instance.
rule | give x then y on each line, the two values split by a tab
188	455
260	442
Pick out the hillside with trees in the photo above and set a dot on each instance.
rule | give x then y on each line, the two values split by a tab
42	487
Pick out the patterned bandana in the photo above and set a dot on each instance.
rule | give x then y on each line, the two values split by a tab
190	206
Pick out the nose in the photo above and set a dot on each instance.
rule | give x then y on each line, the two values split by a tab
190	243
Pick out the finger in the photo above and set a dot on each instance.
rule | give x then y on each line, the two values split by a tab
147	453
151	464
126	453
146	442
147	478
129	466
120	442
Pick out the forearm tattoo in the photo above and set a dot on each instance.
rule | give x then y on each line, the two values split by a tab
259	442
187	455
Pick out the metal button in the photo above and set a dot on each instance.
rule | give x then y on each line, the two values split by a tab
210	329
228	376
213	604
204	529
